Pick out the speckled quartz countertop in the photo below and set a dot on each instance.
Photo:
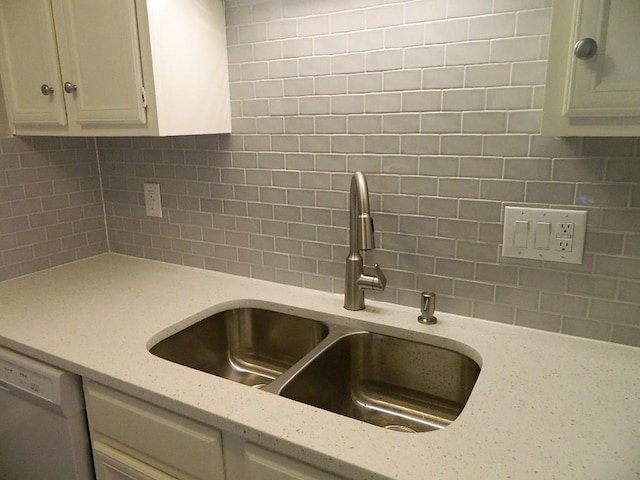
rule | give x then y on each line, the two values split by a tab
545	405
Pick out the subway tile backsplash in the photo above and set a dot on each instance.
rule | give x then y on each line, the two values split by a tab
51	209
439	102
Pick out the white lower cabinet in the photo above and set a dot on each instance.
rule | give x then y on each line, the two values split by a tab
133	440
247	461
112	464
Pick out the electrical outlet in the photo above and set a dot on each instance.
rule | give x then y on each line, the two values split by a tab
152	199
564	244
565	230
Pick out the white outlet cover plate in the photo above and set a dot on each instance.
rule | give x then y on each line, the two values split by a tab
152	199
554	217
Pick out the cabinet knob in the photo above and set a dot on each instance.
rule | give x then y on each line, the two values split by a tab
585	48
70	87
46	90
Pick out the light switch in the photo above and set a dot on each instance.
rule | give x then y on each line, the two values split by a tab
543	235
521	233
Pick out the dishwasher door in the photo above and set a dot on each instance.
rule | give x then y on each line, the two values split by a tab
43	426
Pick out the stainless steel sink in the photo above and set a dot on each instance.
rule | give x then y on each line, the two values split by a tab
387	381
247	345
391	382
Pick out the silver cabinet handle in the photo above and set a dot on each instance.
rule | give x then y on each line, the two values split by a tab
70	87
585	48
46	90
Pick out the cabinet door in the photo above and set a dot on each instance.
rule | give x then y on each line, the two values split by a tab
111	464
262	464
607	84
158	439
595	95
30	63
100	56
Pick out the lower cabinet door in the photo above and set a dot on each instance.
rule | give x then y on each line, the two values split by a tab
135	436
263	464
111	464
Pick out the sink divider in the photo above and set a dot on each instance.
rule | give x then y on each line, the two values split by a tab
336	332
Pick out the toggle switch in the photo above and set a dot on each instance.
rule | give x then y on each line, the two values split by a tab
542	236
521	233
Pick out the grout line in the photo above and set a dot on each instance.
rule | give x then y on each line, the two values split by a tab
104	205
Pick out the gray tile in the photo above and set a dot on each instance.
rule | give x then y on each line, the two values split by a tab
615	312
490	167
468	53
591	194
492	26
454	268
625	334
586	328
527	168
629	292
623	170
425	10
477	252
444	122
458	187
550	193
447	31
592	286
543	279
563	304
484	122
473	290
496	274
538	320
622	220
348	21
439	102
494	312
427	56
520	297
578	169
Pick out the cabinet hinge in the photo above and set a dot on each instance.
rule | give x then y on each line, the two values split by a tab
143	96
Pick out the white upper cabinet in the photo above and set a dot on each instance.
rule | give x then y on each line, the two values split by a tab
101	61
32	83
593	75
122	67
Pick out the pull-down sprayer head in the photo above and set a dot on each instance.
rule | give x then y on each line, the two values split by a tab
365	227
361	223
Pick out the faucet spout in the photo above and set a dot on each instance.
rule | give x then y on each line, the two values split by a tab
360	239
360	221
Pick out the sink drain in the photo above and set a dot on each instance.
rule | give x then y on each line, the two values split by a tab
400	428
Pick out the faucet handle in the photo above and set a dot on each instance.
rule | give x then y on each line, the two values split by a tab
380	275
372	282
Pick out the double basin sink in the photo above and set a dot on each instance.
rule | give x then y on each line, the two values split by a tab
383	380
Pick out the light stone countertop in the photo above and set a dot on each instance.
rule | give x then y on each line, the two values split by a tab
545	405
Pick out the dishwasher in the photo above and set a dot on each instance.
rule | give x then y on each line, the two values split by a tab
43	424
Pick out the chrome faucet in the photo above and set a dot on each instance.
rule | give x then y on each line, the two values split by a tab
360	238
